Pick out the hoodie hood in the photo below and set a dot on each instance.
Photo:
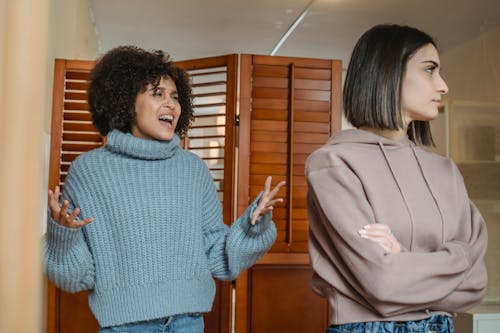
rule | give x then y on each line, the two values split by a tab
366	137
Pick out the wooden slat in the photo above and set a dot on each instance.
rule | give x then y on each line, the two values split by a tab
270	71
74	85
79	116
78	126
268	136
269	125
269	114
277	93
313	84
208	84
307	137
269	147
268	103
311	127
70	75
76	106
318	95
77	96
274	158
267	82
314	117
313	74
83	137
314	106
79	147
267	169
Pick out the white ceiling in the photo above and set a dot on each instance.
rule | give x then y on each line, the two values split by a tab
199	28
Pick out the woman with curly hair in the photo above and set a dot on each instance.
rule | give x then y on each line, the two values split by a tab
139	224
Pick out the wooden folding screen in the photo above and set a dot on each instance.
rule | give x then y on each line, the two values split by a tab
288	108
211	137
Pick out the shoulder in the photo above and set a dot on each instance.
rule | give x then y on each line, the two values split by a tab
439	164
328	156
88	160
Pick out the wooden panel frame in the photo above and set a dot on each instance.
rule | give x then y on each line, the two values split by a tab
247	61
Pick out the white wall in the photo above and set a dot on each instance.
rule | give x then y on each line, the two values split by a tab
472	69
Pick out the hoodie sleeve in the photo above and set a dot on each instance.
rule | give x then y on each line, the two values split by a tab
390	284
475	236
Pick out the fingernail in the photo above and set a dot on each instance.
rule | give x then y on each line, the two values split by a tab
362	232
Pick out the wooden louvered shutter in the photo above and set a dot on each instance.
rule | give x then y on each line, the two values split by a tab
211	136
72	133
288	108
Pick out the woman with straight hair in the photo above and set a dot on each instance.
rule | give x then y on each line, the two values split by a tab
395	243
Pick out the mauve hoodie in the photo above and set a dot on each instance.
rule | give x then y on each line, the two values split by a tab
358	178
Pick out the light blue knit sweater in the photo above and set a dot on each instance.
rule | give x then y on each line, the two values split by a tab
158	238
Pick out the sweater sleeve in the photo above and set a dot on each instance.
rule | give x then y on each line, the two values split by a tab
390	284
67	258
230	250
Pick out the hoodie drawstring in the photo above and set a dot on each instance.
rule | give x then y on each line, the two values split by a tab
381	145
432	194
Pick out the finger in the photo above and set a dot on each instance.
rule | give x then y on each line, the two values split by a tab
79	223
373	233
267	185
74	214
276	189
377	226
53	202
64	209
271	203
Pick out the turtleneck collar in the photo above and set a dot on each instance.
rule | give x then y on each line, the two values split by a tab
127	144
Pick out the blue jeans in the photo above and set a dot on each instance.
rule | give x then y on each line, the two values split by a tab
434	324
186	323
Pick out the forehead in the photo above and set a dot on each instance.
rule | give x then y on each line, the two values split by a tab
425	53
166	83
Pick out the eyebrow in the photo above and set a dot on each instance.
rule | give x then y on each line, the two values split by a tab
431	61
163	89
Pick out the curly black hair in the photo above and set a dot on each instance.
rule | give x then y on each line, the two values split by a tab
122	73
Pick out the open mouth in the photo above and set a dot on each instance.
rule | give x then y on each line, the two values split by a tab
168	118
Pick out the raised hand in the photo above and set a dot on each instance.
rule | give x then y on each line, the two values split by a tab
382	235
61	215
267	201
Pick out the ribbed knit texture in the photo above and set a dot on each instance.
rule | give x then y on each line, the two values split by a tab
158	238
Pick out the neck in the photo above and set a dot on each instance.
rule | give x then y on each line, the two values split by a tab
396	135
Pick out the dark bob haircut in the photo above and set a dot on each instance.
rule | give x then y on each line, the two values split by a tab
372	88
120	75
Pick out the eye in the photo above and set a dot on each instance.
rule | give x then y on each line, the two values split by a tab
176	97
157	93
431	69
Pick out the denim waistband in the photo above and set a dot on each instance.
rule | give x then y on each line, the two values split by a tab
437	323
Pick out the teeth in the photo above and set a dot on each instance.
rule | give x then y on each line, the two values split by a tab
167	117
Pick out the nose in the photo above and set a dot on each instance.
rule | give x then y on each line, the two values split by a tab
441	86
168	101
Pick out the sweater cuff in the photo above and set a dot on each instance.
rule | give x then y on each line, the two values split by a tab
64	237
262	223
